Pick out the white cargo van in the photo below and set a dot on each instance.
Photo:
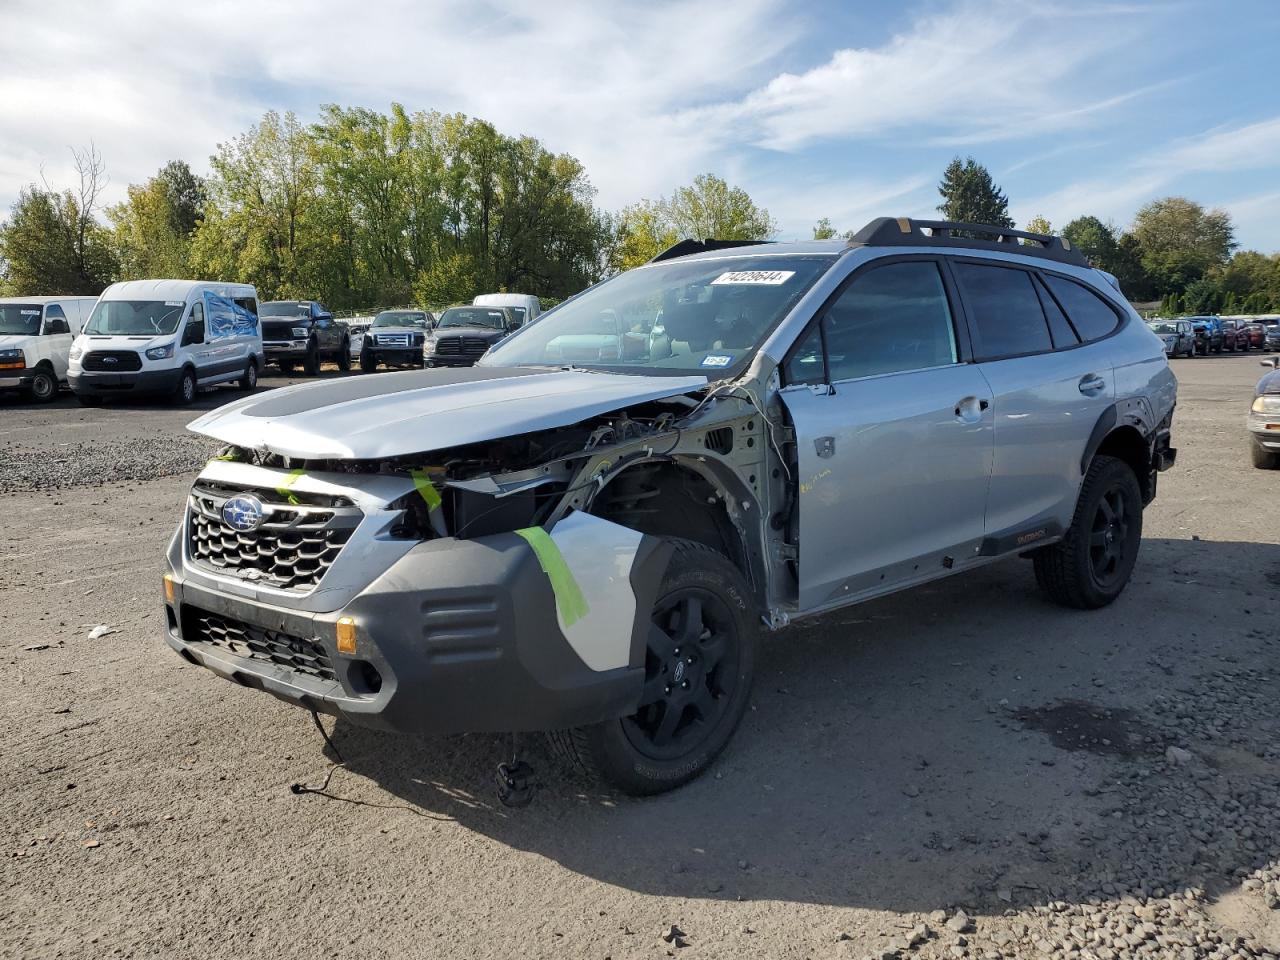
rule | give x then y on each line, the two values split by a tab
167	337
527	306
35	338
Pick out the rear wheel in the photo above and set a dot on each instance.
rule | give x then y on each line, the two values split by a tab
249	381
344	356
698	666
44	385
1091	565
367	363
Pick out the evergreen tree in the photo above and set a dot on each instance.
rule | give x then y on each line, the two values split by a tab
969	195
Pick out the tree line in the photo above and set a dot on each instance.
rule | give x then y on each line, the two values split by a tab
362	208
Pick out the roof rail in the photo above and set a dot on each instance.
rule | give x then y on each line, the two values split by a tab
686	247
906	232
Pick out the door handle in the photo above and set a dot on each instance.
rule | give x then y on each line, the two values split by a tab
969	409
1091	383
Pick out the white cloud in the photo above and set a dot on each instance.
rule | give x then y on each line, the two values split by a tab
1158	172
976	73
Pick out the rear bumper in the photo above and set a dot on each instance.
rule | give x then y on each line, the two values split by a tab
456	636
93	383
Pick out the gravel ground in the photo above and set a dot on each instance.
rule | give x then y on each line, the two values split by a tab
960	771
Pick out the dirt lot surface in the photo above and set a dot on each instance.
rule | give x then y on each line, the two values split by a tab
1092	785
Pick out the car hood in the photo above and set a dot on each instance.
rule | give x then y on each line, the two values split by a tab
10	341
1269	383
393	414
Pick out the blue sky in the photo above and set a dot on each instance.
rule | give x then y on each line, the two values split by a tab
847	109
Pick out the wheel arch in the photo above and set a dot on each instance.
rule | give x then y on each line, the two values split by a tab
1126	438
700	501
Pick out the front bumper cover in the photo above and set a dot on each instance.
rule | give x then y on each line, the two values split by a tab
462	635
93	383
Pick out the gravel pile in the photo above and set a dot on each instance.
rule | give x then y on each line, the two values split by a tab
1190	814
24	468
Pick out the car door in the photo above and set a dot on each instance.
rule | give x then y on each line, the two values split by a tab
56	333
1052	382
893	433
326	329
194	343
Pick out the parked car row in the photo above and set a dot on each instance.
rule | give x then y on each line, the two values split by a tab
1213	334
175	337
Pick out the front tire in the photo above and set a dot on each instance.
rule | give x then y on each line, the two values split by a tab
311	366
367	363
344	356
43	387
1263	459
1091	565
286	368
185	393
698	669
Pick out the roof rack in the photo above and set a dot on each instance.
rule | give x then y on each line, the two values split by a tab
686	247
906	232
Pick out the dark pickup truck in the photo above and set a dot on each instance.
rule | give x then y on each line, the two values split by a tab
463	335
303	332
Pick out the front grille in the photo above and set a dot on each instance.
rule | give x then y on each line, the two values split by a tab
111	360
392	339
293	547
257	643
462	346
280	329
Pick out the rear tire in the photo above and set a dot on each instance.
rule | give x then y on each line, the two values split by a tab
249	382
1263	459
1091	565
344	356
702	623
367	363
43	387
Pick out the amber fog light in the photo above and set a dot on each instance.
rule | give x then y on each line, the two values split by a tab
169	592
347	636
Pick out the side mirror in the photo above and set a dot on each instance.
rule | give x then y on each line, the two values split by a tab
1271	362
194	333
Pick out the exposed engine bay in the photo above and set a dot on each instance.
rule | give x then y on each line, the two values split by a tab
700	467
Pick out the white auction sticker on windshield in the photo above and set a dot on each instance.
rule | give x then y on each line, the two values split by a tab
174	303
31	313
769	278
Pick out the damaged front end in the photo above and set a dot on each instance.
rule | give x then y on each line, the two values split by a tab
498	584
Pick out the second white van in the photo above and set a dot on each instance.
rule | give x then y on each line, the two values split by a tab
35	339
168	337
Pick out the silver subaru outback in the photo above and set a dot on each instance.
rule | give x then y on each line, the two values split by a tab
584	534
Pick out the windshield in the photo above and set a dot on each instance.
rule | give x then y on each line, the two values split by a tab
702	315
472	317
284	308
135	317
401	318
20	318
1163	327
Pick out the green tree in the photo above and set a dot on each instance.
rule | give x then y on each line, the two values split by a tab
1202	296
707	209
1039	224
1249	273
823	230
1181	242
53	243
154	225
969	195
1116	253
260	223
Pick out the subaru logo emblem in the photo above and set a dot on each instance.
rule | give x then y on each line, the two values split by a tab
678	675
243	513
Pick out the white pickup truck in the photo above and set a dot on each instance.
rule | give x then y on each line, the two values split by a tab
35	338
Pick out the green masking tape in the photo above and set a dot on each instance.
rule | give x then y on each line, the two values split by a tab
569	599
426	489
284	490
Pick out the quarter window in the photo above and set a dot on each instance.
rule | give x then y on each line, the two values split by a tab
55	321
889	319
1005	310
1064	335
1089	313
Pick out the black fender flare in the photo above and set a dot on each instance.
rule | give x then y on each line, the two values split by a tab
1107	422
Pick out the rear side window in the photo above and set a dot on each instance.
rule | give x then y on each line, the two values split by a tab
247	303
55	321
1064	335
1005	310
1089	313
